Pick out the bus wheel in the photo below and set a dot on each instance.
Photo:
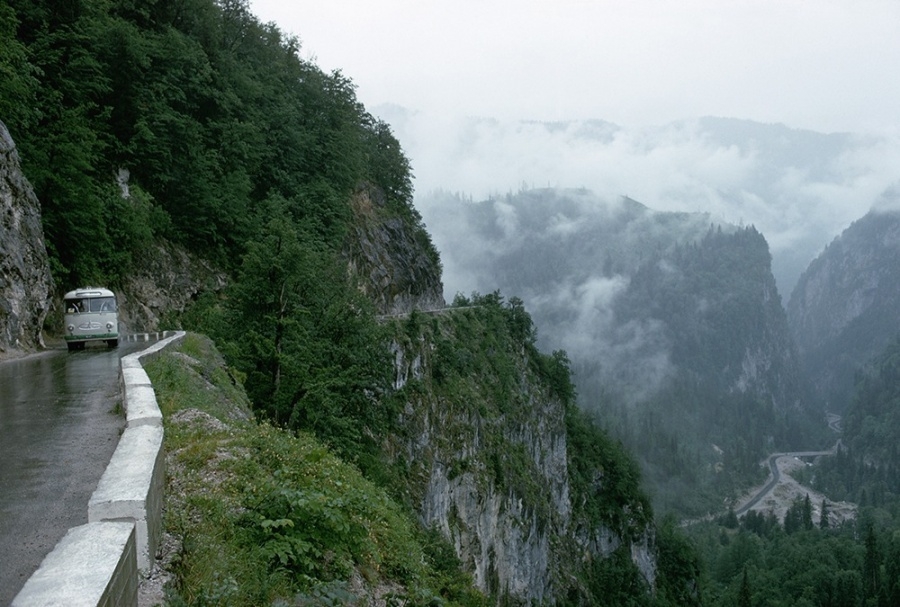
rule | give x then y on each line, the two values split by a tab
71	346
112	343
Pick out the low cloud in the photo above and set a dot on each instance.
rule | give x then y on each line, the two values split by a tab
799	188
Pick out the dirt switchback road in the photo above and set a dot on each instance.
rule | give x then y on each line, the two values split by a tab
59	426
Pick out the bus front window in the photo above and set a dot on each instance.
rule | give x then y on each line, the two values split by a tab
103	304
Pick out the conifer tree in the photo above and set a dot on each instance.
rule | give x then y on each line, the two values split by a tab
823	517
806	514
871	565
745	598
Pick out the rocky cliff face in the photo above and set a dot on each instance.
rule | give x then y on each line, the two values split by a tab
25	282
844	309
392	259
166	280
489	466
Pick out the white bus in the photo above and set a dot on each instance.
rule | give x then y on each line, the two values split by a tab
90	315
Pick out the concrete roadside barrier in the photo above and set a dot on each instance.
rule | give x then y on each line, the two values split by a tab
131	489
94	564
101	563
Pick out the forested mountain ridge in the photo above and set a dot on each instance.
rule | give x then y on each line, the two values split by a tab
193	129
674	325
209	112
844	309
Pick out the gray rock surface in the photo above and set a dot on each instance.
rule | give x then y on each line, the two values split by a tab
166	281
387	256
844	310
25	282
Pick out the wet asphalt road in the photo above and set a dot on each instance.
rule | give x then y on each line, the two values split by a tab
59	425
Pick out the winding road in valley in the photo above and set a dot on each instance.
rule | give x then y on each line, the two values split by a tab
775	471
781	489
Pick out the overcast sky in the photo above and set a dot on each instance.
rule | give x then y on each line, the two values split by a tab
455	78
825	65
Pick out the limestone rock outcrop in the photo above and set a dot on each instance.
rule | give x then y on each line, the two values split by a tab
25	282
494	478
166	281
393	261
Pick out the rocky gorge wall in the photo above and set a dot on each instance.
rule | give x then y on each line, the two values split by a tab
492	473
843	310
25	282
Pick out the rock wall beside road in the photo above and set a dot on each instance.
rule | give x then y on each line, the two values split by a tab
25	282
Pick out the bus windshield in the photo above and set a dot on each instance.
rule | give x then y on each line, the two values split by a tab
91	304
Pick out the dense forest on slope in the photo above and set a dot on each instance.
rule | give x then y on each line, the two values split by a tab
734	390
844	310
800	563
807	558
867	467
208	112
195	124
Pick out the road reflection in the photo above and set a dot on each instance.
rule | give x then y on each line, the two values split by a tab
59	425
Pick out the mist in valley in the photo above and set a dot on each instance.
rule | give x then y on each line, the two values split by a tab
565	215
799	188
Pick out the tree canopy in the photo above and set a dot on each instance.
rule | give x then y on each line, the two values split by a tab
209	111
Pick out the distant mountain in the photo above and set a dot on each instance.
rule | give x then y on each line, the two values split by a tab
872	422
674	326
800	188
845	310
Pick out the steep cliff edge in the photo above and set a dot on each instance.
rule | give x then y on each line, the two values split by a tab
392	257
485	442
843	310
25	282
674	326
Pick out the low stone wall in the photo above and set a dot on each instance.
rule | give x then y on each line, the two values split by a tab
100	563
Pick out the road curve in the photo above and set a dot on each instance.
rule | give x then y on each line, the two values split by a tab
776	476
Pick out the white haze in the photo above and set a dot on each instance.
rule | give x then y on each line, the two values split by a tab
799	188
827	66
483	79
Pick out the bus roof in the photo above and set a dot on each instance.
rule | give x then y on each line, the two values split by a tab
89	292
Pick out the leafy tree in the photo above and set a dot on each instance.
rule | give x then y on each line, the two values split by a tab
679	567
313	354
18	81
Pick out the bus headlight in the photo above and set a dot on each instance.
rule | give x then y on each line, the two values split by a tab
71	328
109	326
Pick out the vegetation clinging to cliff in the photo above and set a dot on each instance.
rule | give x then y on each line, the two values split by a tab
260	515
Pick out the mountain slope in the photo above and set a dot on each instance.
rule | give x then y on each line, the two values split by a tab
675	328
844	309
